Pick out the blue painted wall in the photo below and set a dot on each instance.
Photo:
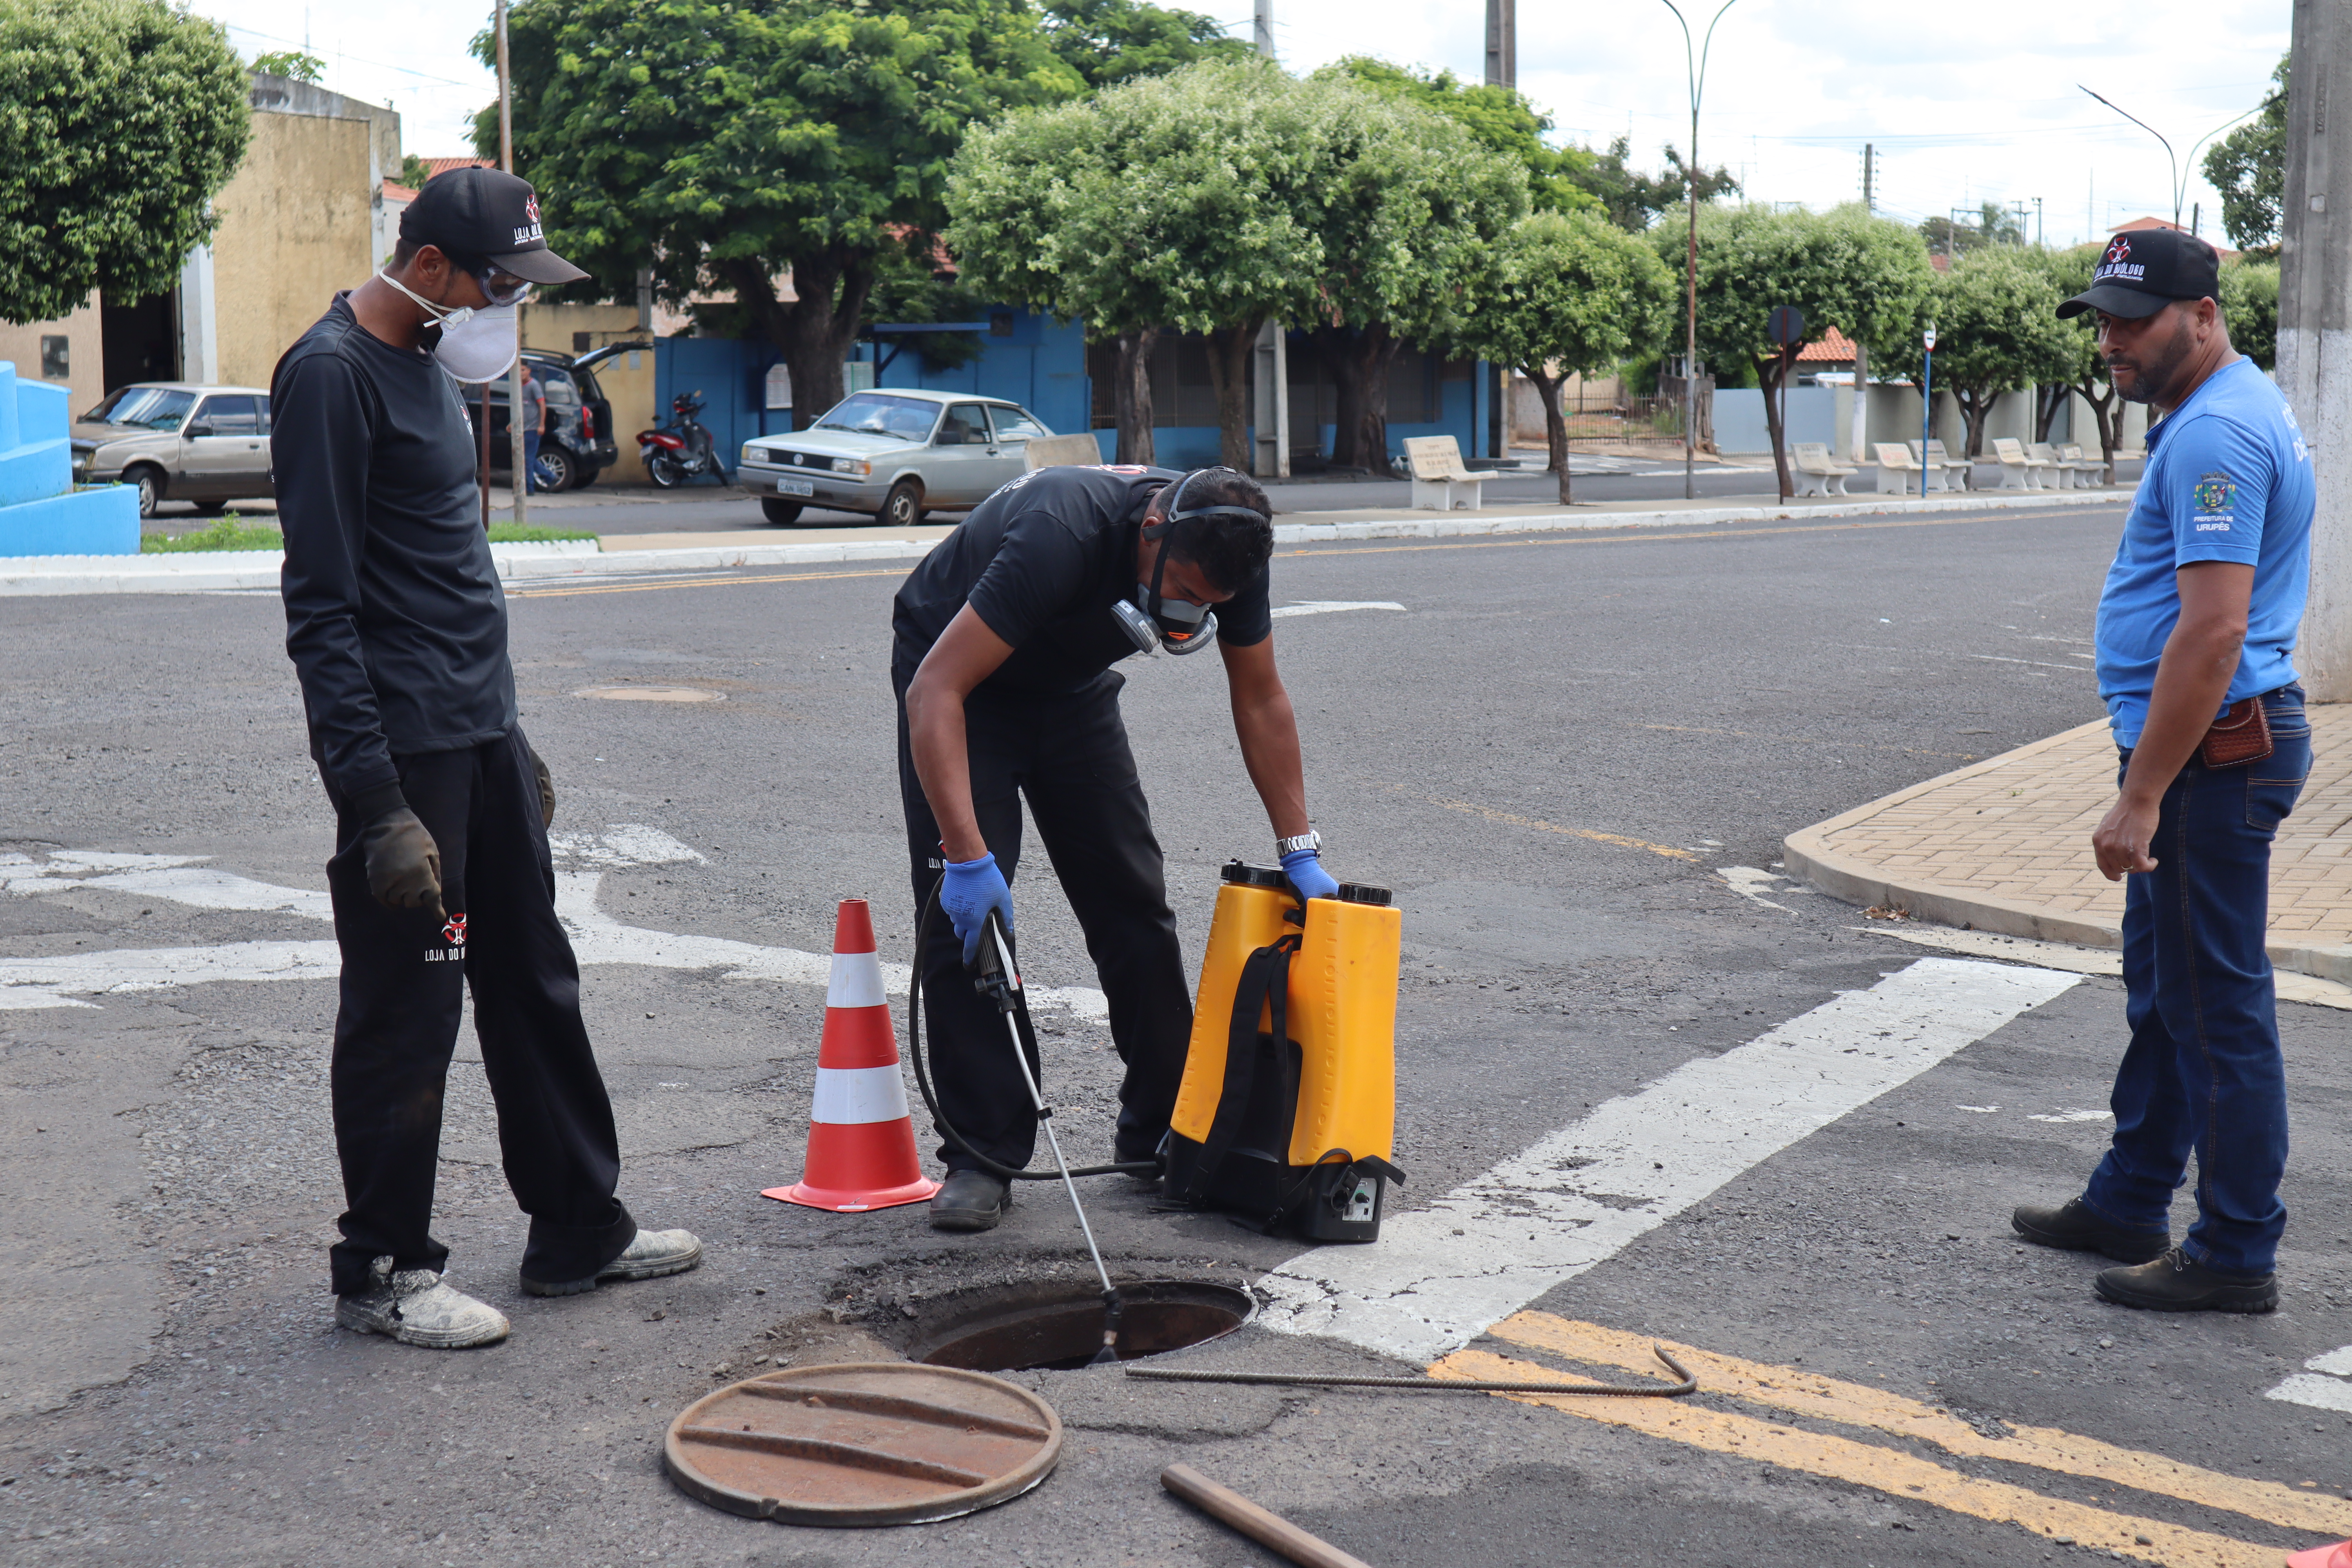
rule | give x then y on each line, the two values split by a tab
1041	365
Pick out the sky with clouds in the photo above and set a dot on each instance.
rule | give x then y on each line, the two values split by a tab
1964	102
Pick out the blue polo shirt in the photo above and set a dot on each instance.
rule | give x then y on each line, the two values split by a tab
2228	479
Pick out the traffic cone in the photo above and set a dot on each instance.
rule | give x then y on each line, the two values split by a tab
2323	1557
861	1143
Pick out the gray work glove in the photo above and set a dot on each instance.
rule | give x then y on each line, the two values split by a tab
404	864
546	790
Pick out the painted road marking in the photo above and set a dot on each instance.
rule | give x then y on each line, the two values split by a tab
2324	1383
1810	1394
2289	986
1441	1275
1470	808
1898	1475
596	937
1331	607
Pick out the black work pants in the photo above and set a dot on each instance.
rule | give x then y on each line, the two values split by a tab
397	1025
1068	753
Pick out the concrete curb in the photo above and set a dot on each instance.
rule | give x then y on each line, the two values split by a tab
1806	855
229	569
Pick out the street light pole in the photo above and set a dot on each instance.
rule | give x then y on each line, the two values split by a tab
2179	185
1695	67
1926	407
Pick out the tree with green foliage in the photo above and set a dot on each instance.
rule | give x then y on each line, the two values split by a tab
1499	118
2250	305
1569	293
2078	370
414	171
728	142
1866	276
1997	332
121	120
2248	166
295	65
1108	41
1994	225
1632	199
1410	210
1191	201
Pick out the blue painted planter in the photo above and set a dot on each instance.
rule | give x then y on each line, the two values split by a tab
40	511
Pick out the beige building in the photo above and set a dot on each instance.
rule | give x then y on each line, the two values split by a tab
304	216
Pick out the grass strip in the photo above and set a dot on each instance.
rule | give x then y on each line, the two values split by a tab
233	533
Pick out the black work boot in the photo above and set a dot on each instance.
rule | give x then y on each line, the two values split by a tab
2179	1283
970	1200
2075	1227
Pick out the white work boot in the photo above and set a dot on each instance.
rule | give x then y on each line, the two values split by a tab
649	1254
416	1308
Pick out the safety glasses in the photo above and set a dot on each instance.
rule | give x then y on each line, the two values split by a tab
502	287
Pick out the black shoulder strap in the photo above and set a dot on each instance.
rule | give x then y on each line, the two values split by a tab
1265	982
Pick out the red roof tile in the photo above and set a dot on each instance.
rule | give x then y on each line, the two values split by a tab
1835	347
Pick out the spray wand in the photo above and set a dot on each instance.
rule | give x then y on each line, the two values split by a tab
1000	982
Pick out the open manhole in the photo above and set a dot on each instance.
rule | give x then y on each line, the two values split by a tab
653	694
1059	1327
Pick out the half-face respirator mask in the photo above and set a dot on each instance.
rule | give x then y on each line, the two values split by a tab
1176	626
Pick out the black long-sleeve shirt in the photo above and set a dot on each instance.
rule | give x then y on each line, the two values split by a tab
394	619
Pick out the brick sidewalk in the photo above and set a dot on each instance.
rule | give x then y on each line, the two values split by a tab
2004	846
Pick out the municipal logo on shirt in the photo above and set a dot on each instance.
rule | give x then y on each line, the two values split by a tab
2215	492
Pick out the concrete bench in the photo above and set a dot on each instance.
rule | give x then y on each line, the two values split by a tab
1439	480
2070	473
2018	471
1061	452
1894	463
1938	466
2090	473
1815	472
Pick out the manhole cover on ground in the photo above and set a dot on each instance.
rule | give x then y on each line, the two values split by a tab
863	1444
653	694
1029	1328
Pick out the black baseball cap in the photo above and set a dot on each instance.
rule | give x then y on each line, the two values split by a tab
2144	269
486	213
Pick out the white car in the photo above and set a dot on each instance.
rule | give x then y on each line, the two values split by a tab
892	454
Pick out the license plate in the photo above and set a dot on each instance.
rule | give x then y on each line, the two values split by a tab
795	487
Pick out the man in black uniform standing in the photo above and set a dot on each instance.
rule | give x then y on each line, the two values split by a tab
441	876
1004	640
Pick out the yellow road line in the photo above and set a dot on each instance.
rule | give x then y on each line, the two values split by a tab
1809	741
571	590
1491	815
1653	535
1855	1404
1888	1470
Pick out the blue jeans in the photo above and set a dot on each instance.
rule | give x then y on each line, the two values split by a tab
538	477
2203	1071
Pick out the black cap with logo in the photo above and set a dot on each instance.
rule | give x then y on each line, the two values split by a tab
2144	269
489	213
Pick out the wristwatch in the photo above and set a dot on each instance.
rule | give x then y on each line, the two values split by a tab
1310	839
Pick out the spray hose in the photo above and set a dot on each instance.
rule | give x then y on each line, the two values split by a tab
1003	1173
1689	1384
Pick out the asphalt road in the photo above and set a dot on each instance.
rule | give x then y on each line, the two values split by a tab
1572	757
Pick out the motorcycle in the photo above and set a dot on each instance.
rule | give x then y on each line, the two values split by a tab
682	449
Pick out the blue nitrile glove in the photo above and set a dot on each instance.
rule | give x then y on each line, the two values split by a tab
1305	869
968	891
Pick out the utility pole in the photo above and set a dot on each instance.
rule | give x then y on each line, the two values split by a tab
1270	360
519	471
1502	70
2314	310
1858	431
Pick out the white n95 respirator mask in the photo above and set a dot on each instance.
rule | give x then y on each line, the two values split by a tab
473	345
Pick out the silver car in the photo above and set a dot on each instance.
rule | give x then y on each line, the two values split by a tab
893	454
178	440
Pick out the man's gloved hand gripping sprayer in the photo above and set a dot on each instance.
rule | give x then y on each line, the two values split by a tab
997	978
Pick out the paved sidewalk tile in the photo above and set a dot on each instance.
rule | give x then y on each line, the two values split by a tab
2004	846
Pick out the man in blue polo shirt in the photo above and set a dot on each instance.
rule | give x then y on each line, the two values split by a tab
2196	632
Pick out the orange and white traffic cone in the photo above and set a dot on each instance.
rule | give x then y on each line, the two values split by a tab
861	1143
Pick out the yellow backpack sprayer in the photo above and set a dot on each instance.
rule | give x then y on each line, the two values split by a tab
1287	1111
